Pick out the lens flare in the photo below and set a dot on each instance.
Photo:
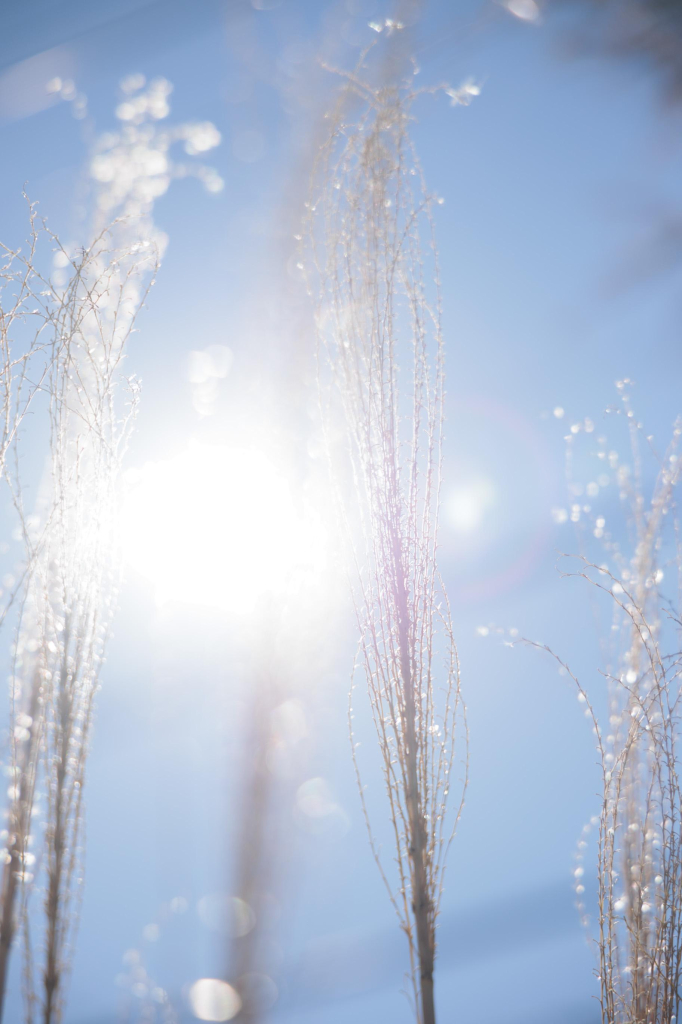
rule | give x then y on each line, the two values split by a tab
466	505
214	1000
217	527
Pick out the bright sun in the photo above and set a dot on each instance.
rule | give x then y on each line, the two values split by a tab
215	526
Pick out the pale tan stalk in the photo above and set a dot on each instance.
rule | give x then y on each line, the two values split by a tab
77	575
70	581
68	584
32	339
639	854
374	275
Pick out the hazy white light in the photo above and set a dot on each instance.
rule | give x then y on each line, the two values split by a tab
527	10
212	999
216	526
318	812
314	798
463	96
467	504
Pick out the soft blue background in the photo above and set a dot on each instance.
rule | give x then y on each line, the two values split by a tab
557	181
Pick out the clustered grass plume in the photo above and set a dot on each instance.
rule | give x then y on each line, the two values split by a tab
76	577
639	857
70	587
65	335
30	334
377	290
24	338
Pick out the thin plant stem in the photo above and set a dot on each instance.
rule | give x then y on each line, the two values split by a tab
374	274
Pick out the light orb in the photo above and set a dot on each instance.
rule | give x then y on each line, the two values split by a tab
211	999
216	526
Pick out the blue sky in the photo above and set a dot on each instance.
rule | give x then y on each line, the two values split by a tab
556	181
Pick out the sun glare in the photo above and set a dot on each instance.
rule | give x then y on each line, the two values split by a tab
467	505
216	526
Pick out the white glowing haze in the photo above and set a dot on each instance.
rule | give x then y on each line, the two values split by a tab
216	526
467	505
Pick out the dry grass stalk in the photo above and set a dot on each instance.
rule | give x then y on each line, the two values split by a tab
87	309
70	584
77	576
379	324
640	824
31	338
26	336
